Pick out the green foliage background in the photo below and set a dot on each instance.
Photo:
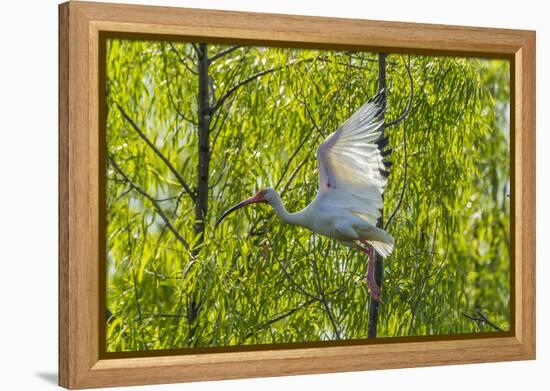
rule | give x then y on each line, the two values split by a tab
254	280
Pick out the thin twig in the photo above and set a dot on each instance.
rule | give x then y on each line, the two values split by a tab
222	53
230	76
411	96
255	76
404	177
197	50
170	96
158	152
157	315
170	198
326	59
153	201
426	276
138	305
278	317
313	120
287	165
482	319
182	60
164	228
218	129
322	293
294	173
302	290
357	56
124	193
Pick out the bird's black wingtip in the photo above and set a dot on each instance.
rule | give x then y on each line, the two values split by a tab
379	101
382	142
379	98
386	152
384	173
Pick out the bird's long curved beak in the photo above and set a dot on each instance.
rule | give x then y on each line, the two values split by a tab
252	200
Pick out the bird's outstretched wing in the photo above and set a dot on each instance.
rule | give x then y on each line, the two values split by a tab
352	172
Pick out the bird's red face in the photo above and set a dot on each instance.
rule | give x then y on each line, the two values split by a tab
259	197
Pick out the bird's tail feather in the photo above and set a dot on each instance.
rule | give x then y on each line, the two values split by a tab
382	248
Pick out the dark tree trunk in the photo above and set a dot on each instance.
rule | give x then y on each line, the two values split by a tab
201	203
378	262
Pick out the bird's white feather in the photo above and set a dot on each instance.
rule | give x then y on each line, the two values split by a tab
382	248
350	164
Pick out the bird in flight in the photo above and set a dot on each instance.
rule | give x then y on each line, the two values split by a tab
352	178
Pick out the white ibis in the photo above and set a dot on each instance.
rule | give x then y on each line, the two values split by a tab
352	177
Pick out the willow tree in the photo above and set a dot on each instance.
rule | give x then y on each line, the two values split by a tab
194	128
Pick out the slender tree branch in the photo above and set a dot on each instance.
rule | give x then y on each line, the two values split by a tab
313	119
255	76
404	177
230	76
170	96
322	294
124	193
217	126
286	314
424	280
197	50
153	201
222	53
213	183
294	173
159	315
411	95
164	228
169	248
482	319
287	165
176	197
182	60
158	152
224	97
325	59
278	317
129	190
158	275
302	290
303	101
138	306
357	56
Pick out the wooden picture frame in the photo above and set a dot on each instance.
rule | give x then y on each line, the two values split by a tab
82	365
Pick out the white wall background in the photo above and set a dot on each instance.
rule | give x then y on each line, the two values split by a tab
28	193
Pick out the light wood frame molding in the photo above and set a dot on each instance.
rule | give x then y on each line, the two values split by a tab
80	24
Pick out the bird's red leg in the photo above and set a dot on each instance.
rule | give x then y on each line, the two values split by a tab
371	281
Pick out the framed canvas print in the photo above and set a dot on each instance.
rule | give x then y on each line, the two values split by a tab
248	195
